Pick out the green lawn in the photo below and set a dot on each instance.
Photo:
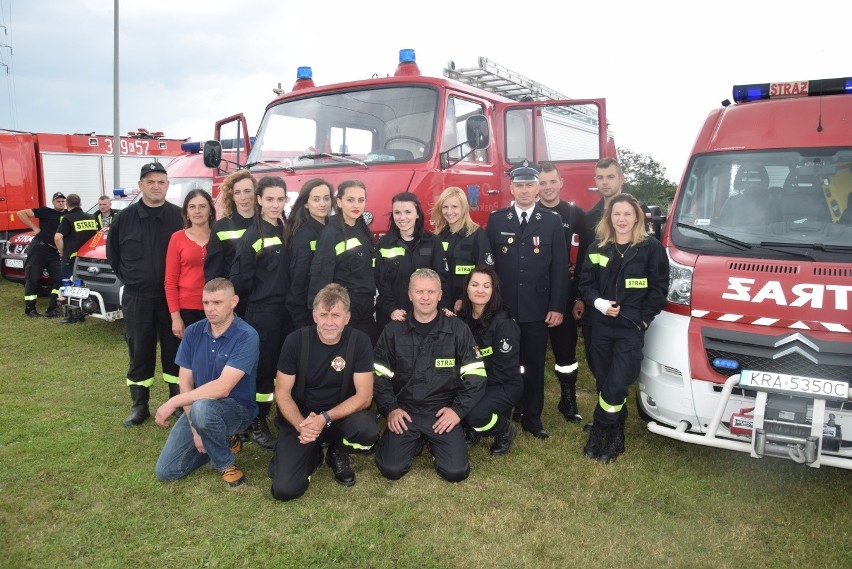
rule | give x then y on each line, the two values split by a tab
78	489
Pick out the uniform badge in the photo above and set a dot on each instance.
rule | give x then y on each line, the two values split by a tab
477	352
338	363
505	346
510	240
538	216
489	259
510	216
505	249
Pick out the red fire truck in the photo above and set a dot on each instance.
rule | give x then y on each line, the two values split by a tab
34	166
410	132
753	351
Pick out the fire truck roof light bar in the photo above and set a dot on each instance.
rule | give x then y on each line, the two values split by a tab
787	89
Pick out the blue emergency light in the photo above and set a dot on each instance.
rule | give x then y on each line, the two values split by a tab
191	147
407	56
118	193
725	363
788	89
304	73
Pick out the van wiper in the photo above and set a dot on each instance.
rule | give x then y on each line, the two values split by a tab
815	246
275	164
339	156
720	237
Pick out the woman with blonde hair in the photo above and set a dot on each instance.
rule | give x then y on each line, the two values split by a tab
464	242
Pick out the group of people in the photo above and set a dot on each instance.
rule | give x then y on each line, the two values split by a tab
446	332
62	229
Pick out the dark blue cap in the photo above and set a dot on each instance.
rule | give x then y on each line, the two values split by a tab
524	172
152	167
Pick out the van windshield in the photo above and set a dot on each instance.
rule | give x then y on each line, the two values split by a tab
770	204
368	126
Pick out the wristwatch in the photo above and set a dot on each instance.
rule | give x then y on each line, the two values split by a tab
327	418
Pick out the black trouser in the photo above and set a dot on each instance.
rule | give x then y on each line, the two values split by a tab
533	354
293	463
191	316
39	258
146	320
587	346
272	323
361	307
563	342
489	415
395	453
617	356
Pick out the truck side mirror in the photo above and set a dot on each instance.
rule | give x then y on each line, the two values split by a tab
477	132
212	153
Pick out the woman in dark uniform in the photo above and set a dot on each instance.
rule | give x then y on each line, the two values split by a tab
625	276
345	256
307	218
498	339
260	272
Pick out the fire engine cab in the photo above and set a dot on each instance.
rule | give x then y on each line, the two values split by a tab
753	351
410	132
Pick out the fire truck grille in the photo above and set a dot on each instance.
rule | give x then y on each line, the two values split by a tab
793	364
94	271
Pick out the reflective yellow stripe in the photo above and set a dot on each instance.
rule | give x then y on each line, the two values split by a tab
463	269
74	254
266	242
473	368
486	351
144	383
610	408
313	245
636	283
598	259
356	446
30	297
343	246
85	224
490	424
446	245
54	291
264	397
233	234
382	370
170	378
392	252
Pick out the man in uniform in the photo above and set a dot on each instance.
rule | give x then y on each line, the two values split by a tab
429	375
136	250
42	254
104	215
563	338
324	388
531	258
74	230
218	366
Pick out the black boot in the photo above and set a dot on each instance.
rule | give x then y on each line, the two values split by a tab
568	402
471	437
139	411
338	461
595	442
30	309
174	389
260	428
615	446
52	308
503	440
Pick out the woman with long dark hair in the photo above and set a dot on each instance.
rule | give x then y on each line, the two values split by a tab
260	272
308	216
498	339
625	277
406	247
345	256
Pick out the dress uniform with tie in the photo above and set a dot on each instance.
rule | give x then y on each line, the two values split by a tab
531	258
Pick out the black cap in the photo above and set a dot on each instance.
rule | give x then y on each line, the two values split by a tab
152	167
524	172
59	196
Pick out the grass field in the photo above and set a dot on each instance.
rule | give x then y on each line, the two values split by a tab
77	489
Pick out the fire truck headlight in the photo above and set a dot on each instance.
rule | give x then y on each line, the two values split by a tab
680	283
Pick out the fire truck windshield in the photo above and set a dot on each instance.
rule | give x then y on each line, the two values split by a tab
773	204
394	124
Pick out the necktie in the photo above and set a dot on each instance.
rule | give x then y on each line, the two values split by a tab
523	221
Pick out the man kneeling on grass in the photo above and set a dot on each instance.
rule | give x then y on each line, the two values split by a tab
218	367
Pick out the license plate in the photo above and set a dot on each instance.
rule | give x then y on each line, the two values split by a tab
15	263
76	292
794	384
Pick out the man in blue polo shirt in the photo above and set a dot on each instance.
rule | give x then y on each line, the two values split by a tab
218	367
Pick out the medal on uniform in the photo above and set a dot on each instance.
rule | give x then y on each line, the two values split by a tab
505	249
536	241
338	363
510	240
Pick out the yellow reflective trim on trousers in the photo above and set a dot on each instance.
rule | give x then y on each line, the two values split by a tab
636	283
168	378
266	242
313	245
486	351
264	397
598	259
30	297
568	368
490	424
382	370
464	269
610	408
343	246
374	263
232	234
54	291
473	368
391	252
74	254
445	245
144	383
356	446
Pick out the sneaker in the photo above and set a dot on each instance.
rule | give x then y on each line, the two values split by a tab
233	476
236	443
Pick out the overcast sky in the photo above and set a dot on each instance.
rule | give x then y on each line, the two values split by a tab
662	66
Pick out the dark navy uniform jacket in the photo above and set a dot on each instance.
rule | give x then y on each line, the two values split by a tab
532	266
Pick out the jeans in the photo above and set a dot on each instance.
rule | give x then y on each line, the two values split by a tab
214	420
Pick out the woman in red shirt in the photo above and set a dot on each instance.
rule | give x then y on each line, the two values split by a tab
185	261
